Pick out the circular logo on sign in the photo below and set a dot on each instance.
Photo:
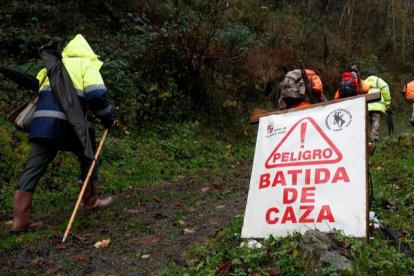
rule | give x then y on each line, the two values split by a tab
338	119
269	128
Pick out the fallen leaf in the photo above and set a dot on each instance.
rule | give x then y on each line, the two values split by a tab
157	199
79	258
102	244
9	222
145	256
181	222
224	269
150	241
217	185
39	261
61	246
51	271
220	206
132	212
275	271
189	231
290	250
205	189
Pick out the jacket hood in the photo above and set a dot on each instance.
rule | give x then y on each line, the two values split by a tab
79	47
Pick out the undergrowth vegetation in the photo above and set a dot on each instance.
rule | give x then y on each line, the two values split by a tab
392	202
129	162
209	60
184	77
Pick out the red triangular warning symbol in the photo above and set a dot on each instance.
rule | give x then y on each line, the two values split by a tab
304	144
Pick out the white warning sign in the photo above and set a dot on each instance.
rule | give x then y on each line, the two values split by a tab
309	172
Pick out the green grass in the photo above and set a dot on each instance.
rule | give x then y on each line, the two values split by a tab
134	161
392	169
129	162
227	253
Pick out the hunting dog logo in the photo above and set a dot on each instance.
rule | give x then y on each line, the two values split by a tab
338	119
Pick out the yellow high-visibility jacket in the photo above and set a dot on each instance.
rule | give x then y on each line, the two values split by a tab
376	84
82	64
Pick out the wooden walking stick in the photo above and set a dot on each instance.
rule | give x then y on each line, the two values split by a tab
85	183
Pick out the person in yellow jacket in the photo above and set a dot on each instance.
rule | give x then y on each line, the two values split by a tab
52	131
375	109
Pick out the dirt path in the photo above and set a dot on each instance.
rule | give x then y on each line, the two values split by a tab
145	235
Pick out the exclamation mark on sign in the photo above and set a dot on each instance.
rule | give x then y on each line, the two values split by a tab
302	134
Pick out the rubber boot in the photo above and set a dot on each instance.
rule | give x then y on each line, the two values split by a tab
22	206
91	202
371	148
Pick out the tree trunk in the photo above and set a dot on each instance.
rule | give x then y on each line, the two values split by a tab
404	30
393	26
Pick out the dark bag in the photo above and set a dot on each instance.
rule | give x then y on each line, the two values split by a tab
24	119
349	85
22	116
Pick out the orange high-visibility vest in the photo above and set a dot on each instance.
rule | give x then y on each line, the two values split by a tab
409	92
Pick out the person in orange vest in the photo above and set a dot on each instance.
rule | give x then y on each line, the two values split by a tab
293	89
408	93
351	84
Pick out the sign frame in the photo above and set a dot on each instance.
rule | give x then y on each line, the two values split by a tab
368	98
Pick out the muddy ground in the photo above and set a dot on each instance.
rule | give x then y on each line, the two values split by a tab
146	234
